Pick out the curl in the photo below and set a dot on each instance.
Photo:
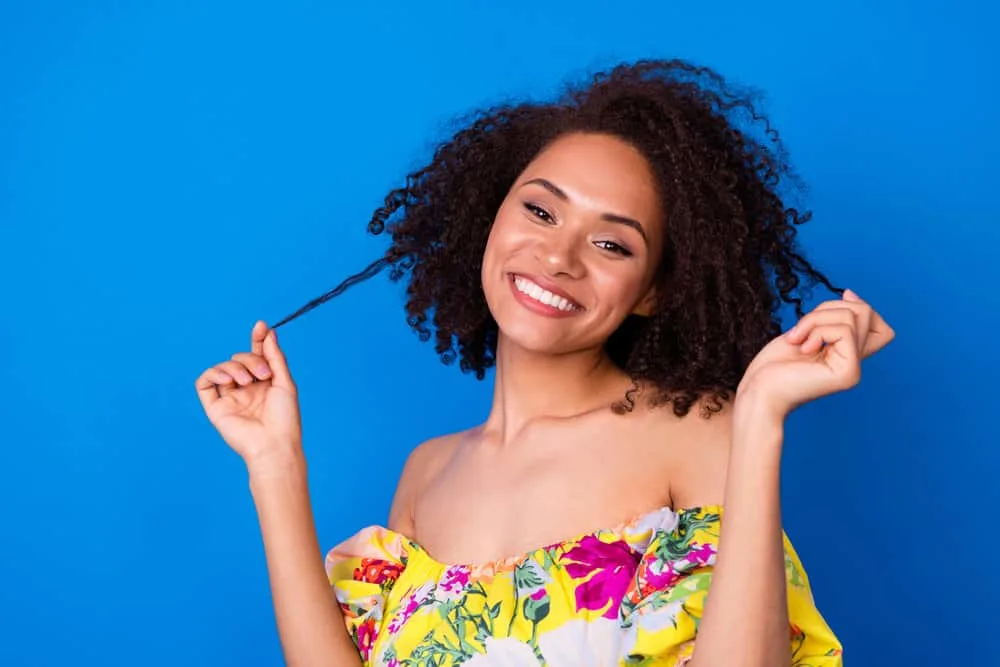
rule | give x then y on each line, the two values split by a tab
371	270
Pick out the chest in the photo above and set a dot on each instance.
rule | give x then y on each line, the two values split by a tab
486	506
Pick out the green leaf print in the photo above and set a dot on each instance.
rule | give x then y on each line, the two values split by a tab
462	634
792	573
695	583
434	651
677	543
536	610
529	576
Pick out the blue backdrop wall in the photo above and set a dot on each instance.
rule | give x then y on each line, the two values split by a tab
172	171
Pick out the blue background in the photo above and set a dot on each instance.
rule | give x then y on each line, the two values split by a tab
172	171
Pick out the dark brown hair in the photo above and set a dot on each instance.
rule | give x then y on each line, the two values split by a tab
730	259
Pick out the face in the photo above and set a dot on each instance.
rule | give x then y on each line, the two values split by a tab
575	245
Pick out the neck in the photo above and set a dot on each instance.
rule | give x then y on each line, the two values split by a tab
530	386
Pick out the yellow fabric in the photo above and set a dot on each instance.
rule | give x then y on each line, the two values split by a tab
632	595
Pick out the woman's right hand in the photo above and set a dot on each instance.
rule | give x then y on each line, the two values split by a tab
253	403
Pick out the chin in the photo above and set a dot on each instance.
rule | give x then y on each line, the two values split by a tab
534	342
535	335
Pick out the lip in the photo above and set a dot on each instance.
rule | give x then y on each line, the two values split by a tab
538	306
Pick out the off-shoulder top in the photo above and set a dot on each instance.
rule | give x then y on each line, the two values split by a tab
629	595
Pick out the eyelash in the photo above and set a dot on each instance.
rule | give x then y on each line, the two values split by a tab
546	217
539	212
615	248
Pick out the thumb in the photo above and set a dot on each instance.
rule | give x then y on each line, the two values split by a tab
280	375
851	295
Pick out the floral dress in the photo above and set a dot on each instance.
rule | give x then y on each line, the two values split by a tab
632	595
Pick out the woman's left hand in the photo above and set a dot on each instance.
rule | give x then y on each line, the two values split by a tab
820	355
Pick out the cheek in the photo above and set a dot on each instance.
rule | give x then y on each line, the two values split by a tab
621	287
505	238
493	250
494	254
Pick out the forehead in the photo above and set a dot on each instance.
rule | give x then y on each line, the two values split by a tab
600	170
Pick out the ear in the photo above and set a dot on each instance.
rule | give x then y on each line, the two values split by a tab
646	304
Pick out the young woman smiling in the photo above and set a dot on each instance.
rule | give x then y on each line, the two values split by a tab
619	256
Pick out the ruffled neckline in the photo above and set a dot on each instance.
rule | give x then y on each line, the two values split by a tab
638	531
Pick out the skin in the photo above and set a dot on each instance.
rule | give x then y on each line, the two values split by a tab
550	427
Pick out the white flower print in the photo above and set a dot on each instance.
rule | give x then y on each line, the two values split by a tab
580	643
504	652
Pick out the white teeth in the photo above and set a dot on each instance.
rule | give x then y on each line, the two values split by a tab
529	288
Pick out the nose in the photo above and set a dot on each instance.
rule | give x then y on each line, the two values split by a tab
559	254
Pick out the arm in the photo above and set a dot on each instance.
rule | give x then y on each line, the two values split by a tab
252	401
310	623
746	613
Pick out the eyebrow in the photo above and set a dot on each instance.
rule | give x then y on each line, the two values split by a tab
610	217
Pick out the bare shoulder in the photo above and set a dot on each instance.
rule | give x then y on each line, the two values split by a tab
422	464
698	455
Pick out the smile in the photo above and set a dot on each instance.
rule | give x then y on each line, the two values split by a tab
541	299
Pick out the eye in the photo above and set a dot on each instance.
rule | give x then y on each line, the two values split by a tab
539	212
611	246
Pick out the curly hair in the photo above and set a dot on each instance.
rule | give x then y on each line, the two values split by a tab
730	256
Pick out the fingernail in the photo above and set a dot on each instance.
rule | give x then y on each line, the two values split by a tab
263	371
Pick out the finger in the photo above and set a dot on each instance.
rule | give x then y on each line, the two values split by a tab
257	336
254	363
879	333
865	317
208	385
237	371
280	375
840	353
862	314
881	336
851	295
799	333
830	334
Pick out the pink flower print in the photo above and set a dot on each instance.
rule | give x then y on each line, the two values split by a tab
657	576
366	638
538	595
702	554
453	582
411	603
610	568
660	575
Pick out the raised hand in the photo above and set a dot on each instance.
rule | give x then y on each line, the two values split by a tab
820	355
253	403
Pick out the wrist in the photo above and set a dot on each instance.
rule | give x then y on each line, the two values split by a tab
758	428
754	408
282	462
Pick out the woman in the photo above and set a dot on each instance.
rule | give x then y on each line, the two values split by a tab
619	255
